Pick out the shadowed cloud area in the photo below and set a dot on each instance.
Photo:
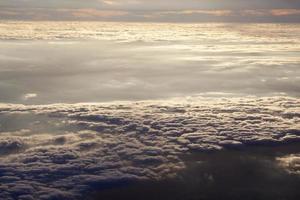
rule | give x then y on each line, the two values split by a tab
155	10
67	151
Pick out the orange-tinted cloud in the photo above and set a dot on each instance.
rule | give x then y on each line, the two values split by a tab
188	15
206	12
285	12
91	13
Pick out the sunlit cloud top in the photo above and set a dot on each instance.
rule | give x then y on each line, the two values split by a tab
154	10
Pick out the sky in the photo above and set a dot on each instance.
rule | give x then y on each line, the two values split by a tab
154	10
88	107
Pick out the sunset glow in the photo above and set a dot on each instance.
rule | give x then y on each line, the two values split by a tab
149	100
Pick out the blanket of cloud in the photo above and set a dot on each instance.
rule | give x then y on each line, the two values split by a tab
151	32
51	62
63	151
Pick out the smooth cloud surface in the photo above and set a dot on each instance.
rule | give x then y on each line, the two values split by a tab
92	62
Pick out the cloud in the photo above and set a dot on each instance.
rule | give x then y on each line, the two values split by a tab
155	10
285	12
8	145
216	13
291	163
198	58
97	145
29	96
92	13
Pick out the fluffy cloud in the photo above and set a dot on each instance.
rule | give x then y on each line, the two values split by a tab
291	163
96	145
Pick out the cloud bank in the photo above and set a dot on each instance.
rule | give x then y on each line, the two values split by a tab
45	149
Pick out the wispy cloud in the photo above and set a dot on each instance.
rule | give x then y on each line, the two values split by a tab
29	96
285	12
92	13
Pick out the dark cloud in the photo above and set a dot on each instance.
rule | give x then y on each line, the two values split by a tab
102	145
8	145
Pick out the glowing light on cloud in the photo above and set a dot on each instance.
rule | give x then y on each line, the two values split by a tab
285	12
90	13
29	96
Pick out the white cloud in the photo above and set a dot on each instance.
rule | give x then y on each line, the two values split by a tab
141	61
29	96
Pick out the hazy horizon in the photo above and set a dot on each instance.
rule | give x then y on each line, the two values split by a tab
141	10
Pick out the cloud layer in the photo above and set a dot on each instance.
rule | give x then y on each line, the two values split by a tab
144	10
74	62
46	149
